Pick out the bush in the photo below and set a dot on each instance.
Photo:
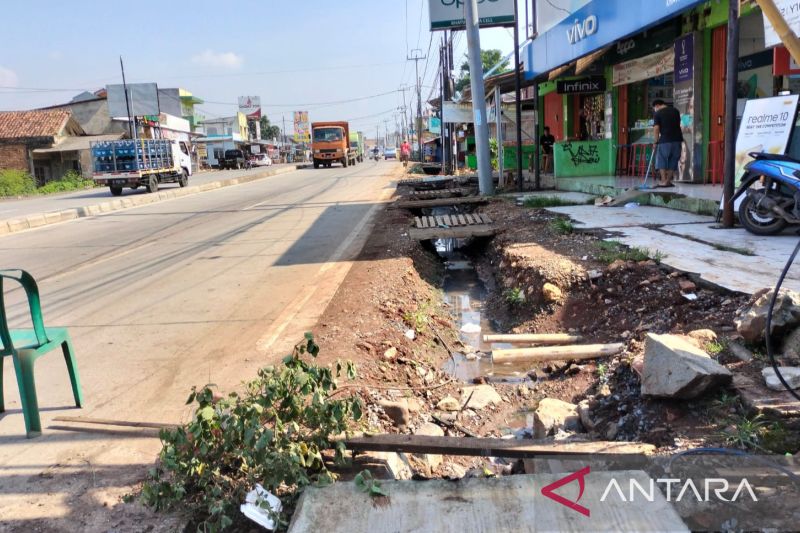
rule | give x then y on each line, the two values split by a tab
273	434
16	183
72	181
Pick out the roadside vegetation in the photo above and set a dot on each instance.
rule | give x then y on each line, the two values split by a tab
610	251
540	202
278	432
19	183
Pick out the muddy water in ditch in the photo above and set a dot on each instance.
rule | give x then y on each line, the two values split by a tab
465	294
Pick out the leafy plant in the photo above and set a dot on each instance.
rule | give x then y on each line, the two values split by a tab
540	202
746	433
418	318
714	347
493	153
563	226
602	372
369	485
515	296
610	251
16	183
273	433
71	181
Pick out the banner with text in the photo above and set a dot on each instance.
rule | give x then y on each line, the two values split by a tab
790	10
644	68
302	133
449	14
766	126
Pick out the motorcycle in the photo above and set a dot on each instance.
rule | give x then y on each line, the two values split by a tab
771	189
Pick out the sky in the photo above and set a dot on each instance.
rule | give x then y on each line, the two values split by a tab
295	55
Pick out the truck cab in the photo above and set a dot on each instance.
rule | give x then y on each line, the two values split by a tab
330	143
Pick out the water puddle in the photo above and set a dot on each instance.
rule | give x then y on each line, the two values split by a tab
465	294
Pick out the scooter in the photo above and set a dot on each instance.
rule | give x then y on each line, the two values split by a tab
771	190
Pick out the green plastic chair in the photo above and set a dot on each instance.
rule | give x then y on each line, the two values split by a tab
26	345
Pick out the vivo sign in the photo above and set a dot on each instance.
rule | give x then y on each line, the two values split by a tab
595	25
581	30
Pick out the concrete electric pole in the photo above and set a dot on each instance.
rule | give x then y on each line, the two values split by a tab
485	181
416	56
729	164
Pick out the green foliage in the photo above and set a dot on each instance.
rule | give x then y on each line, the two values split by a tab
602	372
563	226
72	181
493	152
734	249
273	433
714	347
268	131
539	202
16	183
369	485
489	58
745	433
610	251
515	296
419	318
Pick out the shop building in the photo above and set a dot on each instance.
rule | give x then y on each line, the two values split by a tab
599	70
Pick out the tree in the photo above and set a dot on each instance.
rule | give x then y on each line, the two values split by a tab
268	131
489	58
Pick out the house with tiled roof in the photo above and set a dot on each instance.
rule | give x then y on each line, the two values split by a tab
45	143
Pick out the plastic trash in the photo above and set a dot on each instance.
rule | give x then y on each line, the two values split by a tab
471	328
257	505
631	205
411	334
690	296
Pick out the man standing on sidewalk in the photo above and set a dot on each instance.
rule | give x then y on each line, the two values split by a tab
669	140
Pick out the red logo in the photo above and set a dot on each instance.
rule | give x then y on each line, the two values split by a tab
579	475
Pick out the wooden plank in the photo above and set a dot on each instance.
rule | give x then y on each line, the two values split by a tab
462	220
440	221
417	222
459	232
534	338
470	220
486	219
120	423
448	220
555	353
488	447
438	202
431	222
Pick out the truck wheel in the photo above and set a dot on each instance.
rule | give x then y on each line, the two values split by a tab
183	181
152	184
116	191
344	162
316	164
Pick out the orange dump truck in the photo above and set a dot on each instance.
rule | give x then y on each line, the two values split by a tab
330	143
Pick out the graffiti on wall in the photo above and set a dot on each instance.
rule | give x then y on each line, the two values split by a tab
582	155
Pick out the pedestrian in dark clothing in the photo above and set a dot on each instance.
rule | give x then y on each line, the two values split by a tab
547	141
669	141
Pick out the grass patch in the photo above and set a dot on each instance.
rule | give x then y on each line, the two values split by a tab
745	433
19	183
735	249
72	181
539	202
515	296
610	251
714	347
563	226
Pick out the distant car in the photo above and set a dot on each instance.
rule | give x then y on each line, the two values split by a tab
233	159
260	160
390	153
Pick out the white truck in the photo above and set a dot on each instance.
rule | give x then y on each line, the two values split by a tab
141	162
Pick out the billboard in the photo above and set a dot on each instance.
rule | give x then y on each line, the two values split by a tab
250	106
449	14
302	132
142	97
790	11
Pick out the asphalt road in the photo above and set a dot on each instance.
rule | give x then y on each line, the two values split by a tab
195	290
13	208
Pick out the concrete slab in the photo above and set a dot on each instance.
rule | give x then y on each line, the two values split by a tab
592	217
506	504
577	197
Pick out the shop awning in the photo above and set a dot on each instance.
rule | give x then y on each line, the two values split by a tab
76	144
585	62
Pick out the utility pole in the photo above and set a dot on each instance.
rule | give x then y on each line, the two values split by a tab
386	131
416	56
537	174
127	102
518	97
730	113
485	180
444	136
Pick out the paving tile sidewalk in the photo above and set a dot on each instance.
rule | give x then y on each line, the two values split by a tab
733	259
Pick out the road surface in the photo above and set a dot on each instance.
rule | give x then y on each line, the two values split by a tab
19	208
195	290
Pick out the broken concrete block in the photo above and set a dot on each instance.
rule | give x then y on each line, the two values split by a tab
552	415
551	293
585	415
431	430
394	464
703	335
790	373
448	403
751	320
791	345
400	411
480	396
391	353
676	368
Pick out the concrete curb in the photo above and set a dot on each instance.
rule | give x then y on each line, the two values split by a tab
37	220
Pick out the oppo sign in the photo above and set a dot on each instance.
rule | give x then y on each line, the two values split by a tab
582	29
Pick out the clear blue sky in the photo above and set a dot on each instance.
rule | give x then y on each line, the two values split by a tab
291	53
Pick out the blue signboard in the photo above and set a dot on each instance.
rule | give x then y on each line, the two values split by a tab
595	25
684	58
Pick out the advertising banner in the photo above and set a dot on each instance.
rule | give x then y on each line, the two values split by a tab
767	124
449	14
453	113
435	125
790	10
142	100
686	99
250	106
643	68
302	131
588	85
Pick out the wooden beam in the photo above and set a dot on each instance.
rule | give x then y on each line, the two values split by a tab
438	202
785	33
106	422
555	353
548	339
486	447
458	232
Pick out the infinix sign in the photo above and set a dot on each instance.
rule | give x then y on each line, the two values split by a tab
581	30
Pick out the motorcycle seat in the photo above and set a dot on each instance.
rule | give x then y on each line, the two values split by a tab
764	156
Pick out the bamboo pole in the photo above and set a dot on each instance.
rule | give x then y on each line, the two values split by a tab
534	338
787	36
555	353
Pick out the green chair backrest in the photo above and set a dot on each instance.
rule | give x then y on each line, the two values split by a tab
32	293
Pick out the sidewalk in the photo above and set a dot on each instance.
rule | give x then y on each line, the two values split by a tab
730	258
26	213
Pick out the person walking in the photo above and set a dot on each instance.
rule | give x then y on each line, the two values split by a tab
547	141
405	152
669	141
